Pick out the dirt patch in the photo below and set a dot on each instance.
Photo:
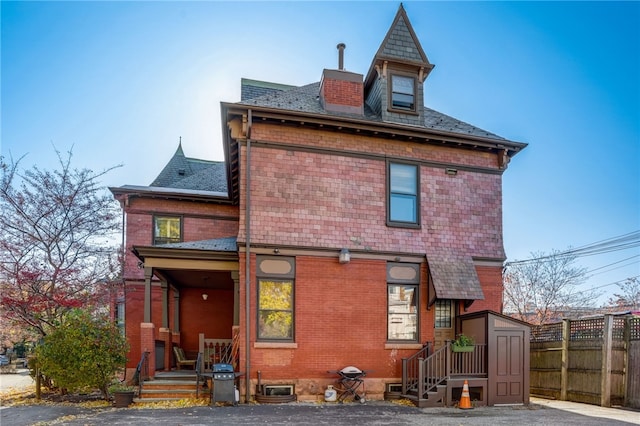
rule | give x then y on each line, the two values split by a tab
27	396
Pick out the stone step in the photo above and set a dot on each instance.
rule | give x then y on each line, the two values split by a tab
169	393
170	384
148	400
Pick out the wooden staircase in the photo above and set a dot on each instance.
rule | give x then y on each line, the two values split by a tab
428	378
172	386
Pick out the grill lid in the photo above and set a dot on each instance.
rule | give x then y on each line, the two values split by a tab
222	368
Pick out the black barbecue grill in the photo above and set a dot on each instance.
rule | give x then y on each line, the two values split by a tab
223	384
350	383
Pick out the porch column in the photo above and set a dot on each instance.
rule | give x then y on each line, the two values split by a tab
165	303
235	276
176	310
148	274
148	344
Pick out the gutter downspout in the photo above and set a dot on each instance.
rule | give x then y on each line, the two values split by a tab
247	264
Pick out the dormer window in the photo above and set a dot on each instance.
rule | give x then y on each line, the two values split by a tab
403	92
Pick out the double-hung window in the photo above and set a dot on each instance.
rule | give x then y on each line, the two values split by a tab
275	309
403	201
403	281
167	229
403	93
276	298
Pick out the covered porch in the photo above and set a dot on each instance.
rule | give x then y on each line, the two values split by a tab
190	301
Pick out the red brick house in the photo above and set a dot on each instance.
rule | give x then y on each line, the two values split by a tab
348	225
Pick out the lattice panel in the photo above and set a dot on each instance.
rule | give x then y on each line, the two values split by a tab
547	333
618	328
587	329
634	332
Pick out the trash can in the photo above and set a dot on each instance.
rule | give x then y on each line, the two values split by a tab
223	384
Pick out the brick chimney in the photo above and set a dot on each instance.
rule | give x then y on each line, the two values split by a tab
342	91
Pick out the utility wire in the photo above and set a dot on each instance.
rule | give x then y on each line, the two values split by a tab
621	242
615	263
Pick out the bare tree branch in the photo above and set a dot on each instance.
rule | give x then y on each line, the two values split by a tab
536	291
58	238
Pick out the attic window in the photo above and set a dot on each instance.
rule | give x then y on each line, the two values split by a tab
403	93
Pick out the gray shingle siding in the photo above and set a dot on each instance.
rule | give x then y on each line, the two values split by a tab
374	100
401	45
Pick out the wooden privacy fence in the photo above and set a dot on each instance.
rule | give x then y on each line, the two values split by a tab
595	360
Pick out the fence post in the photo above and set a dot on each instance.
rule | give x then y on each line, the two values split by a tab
564	367
607	346
626	386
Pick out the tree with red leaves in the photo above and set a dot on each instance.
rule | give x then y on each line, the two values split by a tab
58	243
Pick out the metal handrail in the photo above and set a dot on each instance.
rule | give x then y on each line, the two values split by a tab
198	369
142	371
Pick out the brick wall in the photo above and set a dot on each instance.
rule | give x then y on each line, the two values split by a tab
340	320
201	221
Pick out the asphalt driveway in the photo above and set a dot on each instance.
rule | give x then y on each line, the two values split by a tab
539	412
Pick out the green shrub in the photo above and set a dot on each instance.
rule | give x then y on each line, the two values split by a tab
84	352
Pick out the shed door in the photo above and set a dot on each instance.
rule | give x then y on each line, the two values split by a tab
509	379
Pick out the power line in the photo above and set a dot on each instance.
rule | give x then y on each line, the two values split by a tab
613	283
614	263
621	242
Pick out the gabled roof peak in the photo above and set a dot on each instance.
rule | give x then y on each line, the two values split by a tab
179	152
400	46
401	42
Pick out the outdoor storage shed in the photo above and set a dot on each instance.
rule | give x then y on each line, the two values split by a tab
507	341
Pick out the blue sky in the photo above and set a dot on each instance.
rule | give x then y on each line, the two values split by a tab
121	82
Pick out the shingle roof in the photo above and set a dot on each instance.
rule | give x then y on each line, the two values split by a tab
306	99
454	275
227	244
250	89
182	172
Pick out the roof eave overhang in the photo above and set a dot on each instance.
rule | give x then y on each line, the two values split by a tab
170	195
144	252
379	129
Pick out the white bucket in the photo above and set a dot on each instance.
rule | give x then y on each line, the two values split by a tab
330	395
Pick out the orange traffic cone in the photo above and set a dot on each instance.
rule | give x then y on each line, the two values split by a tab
465	400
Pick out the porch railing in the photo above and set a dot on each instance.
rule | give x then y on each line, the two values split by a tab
422	374
410	369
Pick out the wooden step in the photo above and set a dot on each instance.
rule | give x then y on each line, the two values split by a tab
433	399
